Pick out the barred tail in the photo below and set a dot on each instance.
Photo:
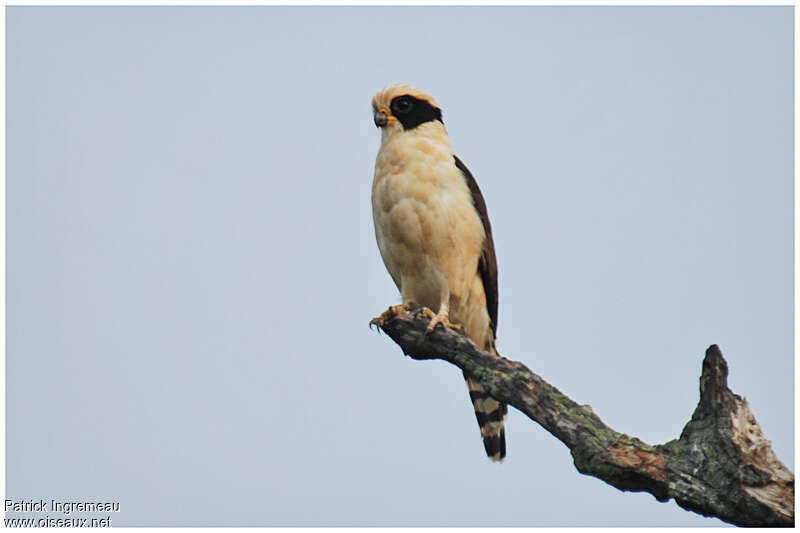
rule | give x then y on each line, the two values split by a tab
490	414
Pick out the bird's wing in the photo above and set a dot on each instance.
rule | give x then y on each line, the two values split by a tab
487	266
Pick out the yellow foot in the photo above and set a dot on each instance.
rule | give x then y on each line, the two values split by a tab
442	319
389	313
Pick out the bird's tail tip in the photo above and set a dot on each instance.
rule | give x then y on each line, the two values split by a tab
495	446
490	414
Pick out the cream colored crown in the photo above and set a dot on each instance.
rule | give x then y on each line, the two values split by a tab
385	96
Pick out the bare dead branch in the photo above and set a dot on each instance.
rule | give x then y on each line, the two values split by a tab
722	465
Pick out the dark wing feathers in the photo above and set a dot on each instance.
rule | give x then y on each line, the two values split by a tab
487	266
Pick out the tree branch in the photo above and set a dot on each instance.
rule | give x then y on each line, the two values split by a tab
722	465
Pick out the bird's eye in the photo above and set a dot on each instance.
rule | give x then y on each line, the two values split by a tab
402	105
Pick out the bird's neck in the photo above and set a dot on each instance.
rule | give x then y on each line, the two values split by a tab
428	140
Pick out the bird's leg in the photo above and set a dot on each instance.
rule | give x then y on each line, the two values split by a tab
442	317
391	312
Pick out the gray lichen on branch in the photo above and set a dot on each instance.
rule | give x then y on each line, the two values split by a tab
722	465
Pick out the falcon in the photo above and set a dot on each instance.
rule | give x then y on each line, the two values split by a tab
434	235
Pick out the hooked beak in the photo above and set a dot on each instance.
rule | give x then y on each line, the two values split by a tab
381	117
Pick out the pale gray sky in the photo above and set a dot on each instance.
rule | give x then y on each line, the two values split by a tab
191	263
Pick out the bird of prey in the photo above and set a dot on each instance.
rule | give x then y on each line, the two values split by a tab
434	234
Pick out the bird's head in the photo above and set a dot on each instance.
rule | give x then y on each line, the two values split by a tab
403	108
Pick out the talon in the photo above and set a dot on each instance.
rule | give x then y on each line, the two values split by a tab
425	312
444	320
437	319
393	311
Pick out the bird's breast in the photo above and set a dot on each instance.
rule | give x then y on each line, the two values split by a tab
414	181
425	222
